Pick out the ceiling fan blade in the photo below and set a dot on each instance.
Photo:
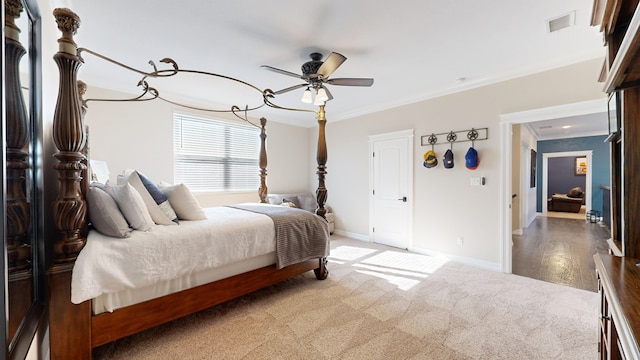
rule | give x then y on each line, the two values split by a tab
290	88
330	97
331	64
280	71
350	81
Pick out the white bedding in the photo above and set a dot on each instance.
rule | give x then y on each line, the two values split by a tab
110	265
123	298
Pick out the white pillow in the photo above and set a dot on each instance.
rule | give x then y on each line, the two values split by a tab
105	215
183	202
132	206
157	214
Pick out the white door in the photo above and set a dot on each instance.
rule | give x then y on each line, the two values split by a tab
391	189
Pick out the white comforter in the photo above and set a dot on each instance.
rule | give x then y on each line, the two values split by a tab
108	264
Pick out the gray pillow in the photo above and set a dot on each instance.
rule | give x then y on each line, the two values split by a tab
105	215
308	201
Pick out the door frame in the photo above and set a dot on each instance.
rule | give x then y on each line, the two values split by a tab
402	134
545	175
506	121
523	201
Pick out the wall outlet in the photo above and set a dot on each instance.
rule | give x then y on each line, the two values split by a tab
460	240
476	181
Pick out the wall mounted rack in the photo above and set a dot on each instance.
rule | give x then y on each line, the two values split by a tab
455	136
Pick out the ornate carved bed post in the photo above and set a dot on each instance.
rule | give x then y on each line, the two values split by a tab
69	324
18	216
262	190
70	210
321	193
321	157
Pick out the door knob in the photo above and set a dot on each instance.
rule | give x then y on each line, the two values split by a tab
404	199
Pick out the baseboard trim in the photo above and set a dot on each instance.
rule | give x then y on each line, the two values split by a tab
352	235
614	248
487	265
459	259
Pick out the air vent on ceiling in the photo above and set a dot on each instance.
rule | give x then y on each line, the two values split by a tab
561	22
545	127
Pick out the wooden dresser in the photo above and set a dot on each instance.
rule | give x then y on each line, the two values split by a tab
619	277
619	23
619	289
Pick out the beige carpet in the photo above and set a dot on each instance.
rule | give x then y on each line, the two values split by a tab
383	303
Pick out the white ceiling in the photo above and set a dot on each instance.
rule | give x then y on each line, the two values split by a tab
414	49
572	126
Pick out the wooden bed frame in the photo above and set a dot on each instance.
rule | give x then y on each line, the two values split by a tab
73	330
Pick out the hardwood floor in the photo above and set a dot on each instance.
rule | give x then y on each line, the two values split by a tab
560	251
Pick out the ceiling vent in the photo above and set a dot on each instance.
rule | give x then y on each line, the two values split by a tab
561	22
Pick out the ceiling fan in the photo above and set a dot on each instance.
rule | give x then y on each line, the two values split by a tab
316	74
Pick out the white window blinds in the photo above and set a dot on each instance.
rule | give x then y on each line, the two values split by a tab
214	155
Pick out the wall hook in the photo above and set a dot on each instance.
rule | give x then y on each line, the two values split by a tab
451	137
456	136
433	139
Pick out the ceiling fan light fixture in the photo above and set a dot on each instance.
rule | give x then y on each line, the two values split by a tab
322	95
315	74
306	97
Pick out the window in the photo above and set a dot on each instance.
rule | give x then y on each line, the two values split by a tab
214	155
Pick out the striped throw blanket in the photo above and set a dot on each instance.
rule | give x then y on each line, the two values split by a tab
300	235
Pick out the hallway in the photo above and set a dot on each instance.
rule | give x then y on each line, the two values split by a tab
560	251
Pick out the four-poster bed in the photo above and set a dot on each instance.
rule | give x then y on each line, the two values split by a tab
74	329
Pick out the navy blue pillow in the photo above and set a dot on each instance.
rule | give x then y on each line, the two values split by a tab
159	197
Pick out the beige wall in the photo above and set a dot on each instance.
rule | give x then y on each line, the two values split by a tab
445	205
139	135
